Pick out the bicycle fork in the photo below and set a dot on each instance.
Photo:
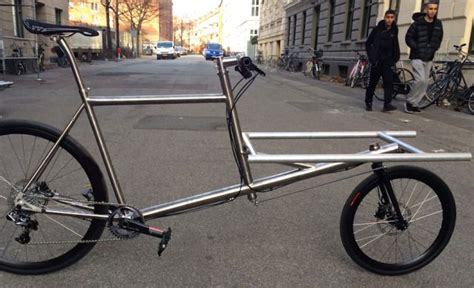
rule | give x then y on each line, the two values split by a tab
388	200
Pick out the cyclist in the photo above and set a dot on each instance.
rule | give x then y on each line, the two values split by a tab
383	50
424	38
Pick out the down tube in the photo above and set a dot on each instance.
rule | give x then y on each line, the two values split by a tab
231	192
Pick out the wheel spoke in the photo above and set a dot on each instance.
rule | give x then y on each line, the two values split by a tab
22	152
374	235
64	226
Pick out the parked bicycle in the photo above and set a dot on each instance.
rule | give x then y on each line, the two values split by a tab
402	81
62	60
289	61
452	87
259	57
314	65
41	49
360	72
55	204
17	52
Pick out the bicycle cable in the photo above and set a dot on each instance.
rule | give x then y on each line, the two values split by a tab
319	185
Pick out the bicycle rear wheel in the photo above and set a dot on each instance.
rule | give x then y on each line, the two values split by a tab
404	75
377	240
72	171
470	101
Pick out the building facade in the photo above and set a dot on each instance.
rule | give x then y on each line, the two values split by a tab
339	27
271	38
14	36
206	29
166	20
240	23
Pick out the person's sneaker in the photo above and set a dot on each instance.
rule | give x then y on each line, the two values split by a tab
416	109
389	108
408	108
368	107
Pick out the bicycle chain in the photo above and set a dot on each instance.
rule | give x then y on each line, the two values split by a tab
117	205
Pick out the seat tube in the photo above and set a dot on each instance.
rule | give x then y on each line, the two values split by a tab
235	129
83	91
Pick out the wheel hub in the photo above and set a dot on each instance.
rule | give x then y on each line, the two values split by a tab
36	196
387	219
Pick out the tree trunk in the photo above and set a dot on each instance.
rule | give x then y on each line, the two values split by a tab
117	26
107	31
139	50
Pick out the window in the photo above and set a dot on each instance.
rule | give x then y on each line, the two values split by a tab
288	32
255	7
57	13
332	12
471	49
350	19
303	29
315	28
17	13
366	18
395	5
295	18
253	33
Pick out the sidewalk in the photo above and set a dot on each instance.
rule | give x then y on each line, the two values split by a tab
355	97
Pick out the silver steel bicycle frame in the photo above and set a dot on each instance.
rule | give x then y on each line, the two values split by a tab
307	166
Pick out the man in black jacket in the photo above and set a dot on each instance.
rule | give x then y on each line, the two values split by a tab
383	51
424	38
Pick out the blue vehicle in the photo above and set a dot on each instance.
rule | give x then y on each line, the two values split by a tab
213	50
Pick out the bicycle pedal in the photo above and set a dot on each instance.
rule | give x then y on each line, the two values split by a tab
166	237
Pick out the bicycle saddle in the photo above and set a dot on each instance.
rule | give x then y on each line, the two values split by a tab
37	27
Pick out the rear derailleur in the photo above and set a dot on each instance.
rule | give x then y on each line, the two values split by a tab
22	219
128	222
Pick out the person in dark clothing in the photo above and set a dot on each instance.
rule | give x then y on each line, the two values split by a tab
424	38
383	51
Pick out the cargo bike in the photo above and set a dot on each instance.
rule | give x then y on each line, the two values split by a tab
54	202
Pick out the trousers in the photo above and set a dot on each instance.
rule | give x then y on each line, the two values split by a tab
421	72
377	70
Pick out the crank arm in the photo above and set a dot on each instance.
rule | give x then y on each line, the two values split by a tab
142	228
165	235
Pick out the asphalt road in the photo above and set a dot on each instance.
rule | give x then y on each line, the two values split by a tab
163	153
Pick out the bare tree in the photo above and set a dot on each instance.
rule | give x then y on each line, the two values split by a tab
108	5
137	12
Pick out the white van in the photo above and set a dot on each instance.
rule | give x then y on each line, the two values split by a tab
165	49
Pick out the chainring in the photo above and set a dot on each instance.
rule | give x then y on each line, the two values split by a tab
120	213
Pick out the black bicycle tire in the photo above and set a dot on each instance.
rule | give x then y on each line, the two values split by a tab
423	104
394	93
448	223
94	174
470	102
354	80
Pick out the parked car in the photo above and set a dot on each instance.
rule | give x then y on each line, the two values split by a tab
165	49
181	51
213	50
147	49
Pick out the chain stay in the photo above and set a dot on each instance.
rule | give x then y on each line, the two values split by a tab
117	205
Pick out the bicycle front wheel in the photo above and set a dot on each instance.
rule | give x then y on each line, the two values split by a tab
57	241
370	229
434	92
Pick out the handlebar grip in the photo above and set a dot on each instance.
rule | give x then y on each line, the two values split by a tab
243	68
246	66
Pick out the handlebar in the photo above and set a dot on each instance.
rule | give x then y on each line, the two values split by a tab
243	65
